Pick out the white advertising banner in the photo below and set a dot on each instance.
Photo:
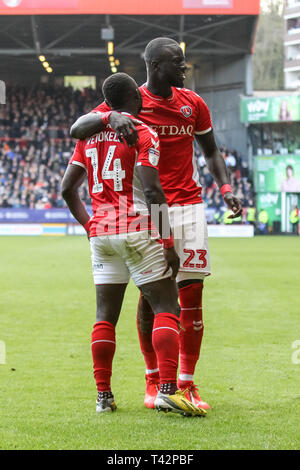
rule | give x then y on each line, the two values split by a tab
21	229
230	231
32	229
74	229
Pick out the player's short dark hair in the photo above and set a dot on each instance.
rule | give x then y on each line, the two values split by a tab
116	89
154	48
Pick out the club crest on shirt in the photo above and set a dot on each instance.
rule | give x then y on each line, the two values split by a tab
186	111
154	156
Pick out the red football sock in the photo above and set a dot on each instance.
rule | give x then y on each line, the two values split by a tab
190	337
103	350
145	337
165	338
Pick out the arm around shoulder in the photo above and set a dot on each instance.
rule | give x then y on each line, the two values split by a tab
86	126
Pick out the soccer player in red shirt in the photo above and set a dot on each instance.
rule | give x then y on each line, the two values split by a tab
178	115
125	191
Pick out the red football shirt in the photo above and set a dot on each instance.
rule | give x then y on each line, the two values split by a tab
176	120
118	201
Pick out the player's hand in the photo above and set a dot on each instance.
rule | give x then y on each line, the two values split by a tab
172	260
234	204
124	127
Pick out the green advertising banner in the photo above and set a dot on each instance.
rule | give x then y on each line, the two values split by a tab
277	173
270	202
270	109
278	207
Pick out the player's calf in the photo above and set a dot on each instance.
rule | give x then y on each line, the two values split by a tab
191	333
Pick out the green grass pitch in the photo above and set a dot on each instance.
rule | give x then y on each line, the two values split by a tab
246	372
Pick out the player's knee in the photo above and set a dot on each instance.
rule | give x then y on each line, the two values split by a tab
100	316
144	312
145	325
177	310
105	315
171	307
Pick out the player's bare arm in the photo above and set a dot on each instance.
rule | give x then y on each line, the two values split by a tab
72	180
155	196
217	168
86	126
91	123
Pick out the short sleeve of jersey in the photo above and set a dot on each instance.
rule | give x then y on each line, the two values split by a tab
203	121
101	108
78	157
148	148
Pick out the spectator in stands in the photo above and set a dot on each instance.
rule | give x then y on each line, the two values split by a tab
230	160
238	171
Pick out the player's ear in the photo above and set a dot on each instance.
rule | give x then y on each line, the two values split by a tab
154	64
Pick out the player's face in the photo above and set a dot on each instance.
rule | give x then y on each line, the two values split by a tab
171	66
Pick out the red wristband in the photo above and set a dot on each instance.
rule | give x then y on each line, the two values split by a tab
87	226
105	117
168	242
226	188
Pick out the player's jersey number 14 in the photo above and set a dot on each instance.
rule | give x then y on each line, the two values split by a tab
117	174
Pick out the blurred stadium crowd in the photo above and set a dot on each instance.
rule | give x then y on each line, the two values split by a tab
35	144
239	176
35	147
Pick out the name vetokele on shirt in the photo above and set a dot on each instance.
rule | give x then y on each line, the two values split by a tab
104	136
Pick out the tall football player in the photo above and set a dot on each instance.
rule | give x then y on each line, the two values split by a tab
178	115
